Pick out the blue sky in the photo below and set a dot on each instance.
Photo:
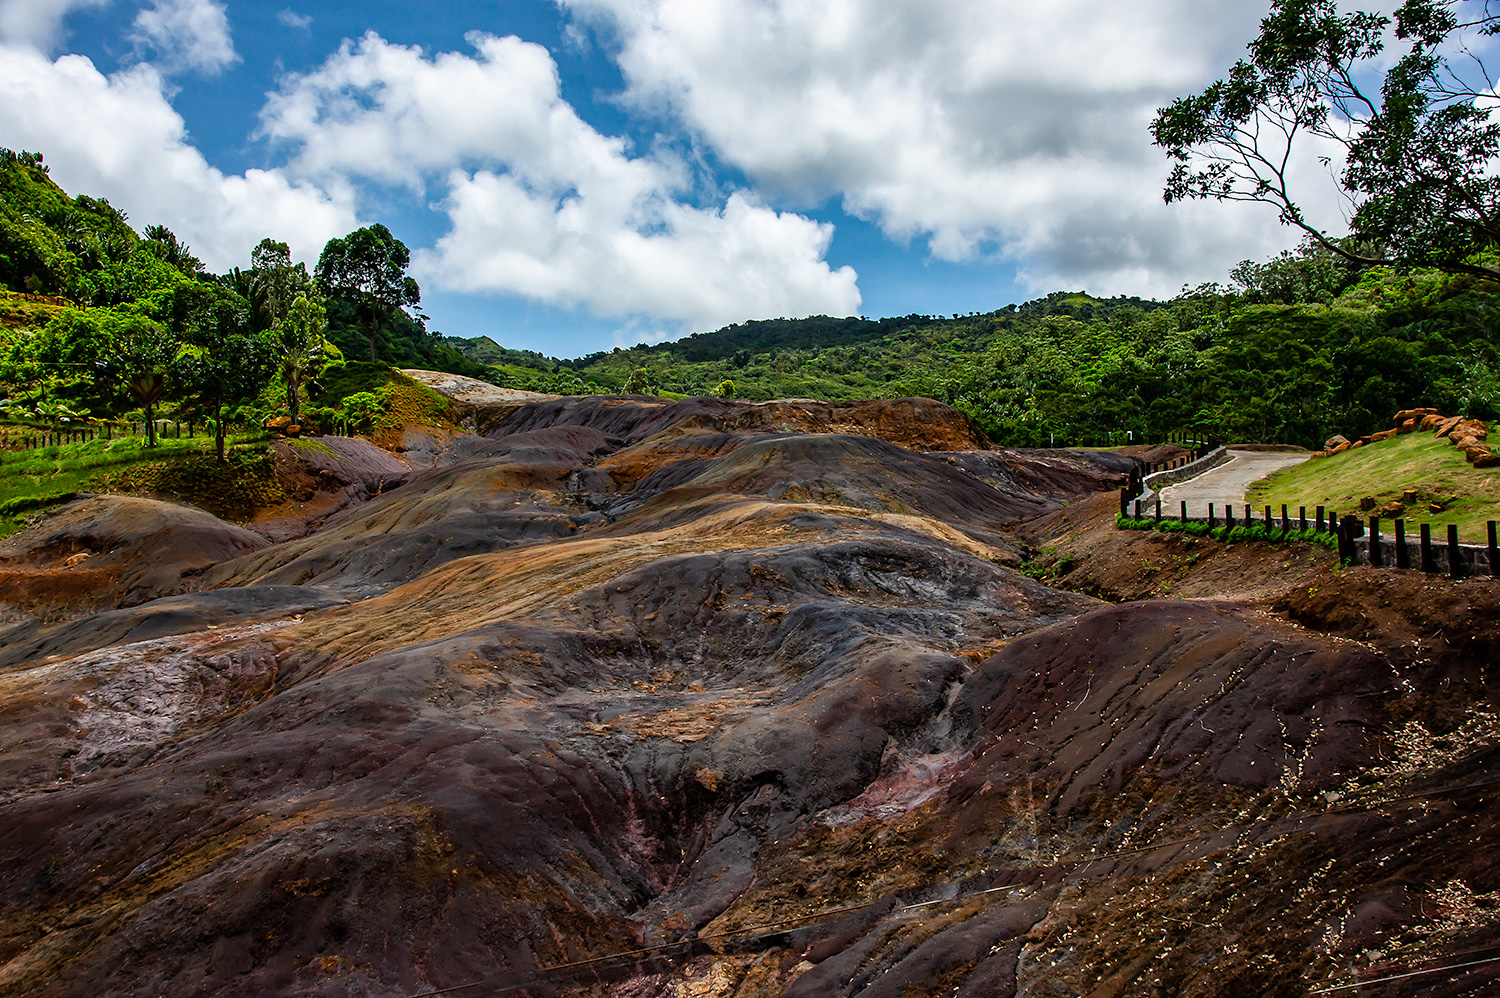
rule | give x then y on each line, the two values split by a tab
581	174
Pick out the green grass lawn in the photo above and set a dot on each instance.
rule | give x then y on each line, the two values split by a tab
32	479
1434	468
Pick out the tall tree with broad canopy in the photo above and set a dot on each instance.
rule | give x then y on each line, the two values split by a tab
367	268
1419	170
223	362
275	282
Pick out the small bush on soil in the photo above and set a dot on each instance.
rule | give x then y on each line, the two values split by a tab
1231	535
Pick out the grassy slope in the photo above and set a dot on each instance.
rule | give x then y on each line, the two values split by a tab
181	468
1433	467
184	469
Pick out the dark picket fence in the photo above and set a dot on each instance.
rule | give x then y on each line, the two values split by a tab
1360	541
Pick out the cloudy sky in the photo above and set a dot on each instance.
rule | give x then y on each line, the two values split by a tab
580	174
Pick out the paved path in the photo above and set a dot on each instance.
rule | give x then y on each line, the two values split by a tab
1226	483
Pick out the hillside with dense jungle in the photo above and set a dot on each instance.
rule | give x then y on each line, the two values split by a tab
1292	350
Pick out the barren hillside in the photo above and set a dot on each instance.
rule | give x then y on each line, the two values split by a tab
713	698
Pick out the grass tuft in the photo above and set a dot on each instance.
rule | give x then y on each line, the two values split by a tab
185	470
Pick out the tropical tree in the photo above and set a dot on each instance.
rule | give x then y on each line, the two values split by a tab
1420	155
163	243
275	282
367	268
639	383
140	357
223	363
299	341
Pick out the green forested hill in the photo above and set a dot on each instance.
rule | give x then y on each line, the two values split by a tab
101	324
1299	348
1293	350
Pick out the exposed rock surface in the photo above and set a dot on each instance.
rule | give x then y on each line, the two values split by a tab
752	686
480	404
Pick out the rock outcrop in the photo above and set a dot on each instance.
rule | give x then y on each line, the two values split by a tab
1468	435
102	552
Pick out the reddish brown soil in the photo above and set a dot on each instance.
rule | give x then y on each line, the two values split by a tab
759	693
103	552
1130	565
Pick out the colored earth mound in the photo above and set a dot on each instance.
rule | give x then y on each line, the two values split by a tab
627	697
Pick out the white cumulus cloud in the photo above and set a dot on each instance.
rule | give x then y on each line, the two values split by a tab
983	127
37	23
649	255
541	204
185	35
119	138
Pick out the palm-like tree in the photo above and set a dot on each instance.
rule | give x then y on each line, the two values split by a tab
142	353
301	343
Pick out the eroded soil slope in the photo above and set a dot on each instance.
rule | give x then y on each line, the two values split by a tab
628	698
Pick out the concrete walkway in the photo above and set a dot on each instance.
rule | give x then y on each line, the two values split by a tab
1226	483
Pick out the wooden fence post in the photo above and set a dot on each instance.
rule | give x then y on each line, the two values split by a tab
1494	550
1320	518
1270	523
1211	515
1286	521
1229	515
1455	555
1183	518
1403	558
1158	509
1124	500
1375	556
1428	565
1302	517
1344	530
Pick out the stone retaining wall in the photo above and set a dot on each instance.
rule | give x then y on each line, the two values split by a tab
1155	483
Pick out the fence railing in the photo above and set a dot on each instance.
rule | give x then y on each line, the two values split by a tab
1205	455
1360	541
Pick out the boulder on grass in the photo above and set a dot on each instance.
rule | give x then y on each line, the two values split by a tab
283	425
1339	449
1470	428
1429	421
1337	440
1487	461
1375	438
1474	453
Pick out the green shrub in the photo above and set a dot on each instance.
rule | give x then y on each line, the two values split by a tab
1231	535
